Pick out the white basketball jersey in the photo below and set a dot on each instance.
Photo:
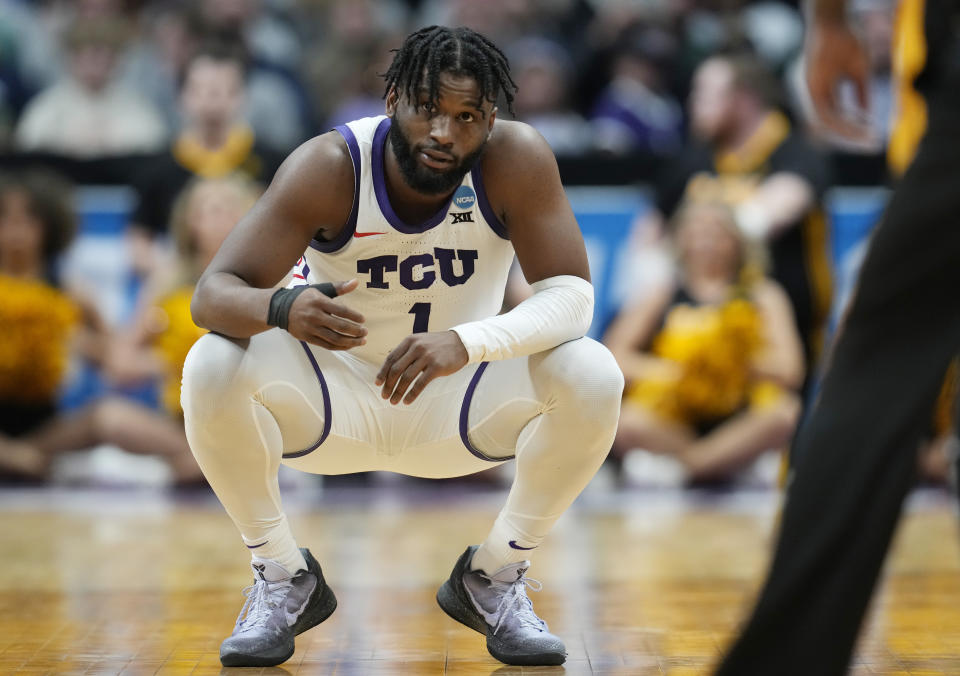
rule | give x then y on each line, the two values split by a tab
431	276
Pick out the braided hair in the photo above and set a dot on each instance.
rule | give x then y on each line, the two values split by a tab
433	50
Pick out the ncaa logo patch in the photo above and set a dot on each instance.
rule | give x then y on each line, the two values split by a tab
464	198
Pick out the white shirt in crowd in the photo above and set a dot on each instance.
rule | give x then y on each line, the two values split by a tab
70	120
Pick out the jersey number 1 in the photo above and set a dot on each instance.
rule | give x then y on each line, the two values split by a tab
421	317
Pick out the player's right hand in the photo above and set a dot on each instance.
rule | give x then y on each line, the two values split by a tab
834	55
326	322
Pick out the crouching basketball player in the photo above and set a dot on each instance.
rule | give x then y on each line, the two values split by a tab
389	354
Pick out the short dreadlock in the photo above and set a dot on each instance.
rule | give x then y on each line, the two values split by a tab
433	50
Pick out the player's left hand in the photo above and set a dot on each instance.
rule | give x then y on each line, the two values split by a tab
427	355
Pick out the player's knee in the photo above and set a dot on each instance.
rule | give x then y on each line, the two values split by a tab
584	375
210	373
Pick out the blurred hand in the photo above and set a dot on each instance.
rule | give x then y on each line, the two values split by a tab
125	365
326	322
427	355
834	55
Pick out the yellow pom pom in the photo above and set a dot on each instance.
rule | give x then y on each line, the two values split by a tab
714	346
37	321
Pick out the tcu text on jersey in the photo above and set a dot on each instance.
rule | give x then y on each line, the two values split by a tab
417	271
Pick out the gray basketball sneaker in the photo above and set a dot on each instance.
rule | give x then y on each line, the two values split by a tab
497	605
276	610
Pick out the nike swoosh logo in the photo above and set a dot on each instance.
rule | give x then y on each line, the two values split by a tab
293	617
513	543
489	618
367	234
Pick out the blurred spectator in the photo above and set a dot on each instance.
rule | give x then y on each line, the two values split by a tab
636	110
774	30
34	29
155	347
17	27
747	155
276	106
31	58
344	67
12	93
213	142
713	359
43	323
361	91
267	36
169	35
542	71
88	114
502	21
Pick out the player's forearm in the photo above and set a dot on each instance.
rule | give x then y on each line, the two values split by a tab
827	11
560	309
224	303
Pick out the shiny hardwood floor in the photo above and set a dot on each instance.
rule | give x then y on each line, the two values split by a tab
137	582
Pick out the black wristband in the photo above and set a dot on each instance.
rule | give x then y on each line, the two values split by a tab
282	300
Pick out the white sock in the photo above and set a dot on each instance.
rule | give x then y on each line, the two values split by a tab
510	541
270	570
277	544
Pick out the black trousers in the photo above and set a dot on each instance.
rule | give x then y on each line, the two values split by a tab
856	454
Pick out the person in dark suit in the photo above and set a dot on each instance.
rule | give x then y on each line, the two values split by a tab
856	454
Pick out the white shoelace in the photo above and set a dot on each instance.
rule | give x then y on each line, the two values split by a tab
263	597
514	598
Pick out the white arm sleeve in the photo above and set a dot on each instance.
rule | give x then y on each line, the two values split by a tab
560	309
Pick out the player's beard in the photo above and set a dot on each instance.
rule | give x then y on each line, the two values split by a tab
424	179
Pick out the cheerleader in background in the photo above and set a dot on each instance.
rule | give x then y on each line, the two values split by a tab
154	347
713	361
43	323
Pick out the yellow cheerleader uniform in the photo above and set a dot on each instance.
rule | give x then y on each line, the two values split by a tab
37	320
714	345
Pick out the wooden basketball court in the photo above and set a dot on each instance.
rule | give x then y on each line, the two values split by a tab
637	582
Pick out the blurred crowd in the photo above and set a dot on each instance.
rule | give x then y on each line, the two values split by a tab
99	77
194	105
